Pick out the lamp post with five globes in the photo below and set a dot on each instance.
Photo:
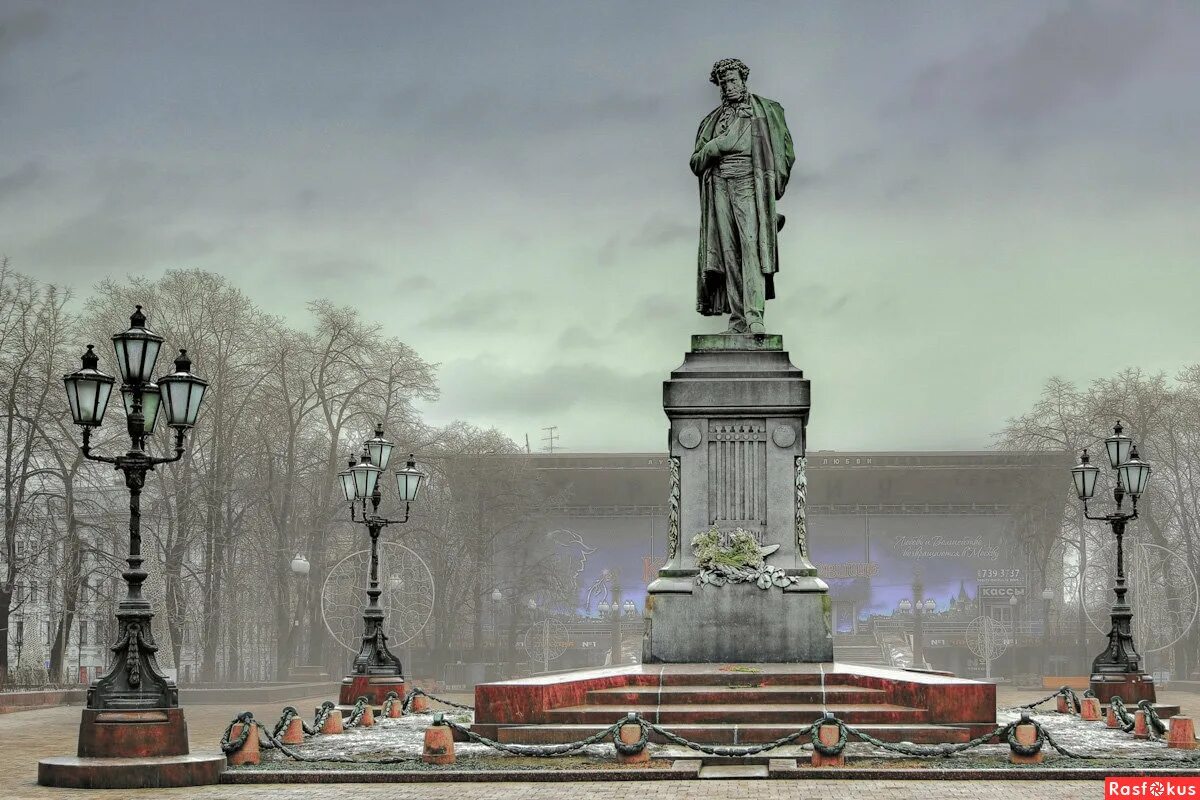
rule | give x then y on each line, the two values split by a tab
375	670
1118	670
132	710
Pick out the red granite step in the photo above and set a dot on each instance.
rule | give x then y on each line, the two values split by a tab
731	695
730	734
790	713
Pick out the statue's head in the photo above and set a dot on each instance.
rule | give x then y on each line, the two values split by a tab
730	74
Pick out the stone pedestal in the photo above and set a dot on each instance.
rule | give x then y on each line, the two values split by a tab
374	687
1131	687
738	412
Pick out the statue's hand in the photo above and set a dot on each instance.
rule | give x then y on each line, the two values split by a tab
704	156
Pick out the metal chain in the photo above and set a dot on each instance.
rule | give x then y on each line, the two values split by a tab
290	713
356	714
386	709
322	716
537	749
419	691
723	750
1156	725
1122	714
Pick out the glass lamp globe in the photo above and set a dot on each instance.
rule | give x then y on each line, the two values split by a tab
497	596
136	349
347	479
1134	474
181	393
151	402
300	564
930	605
409	481
87	391
1118	446
1012	601
906	604
379	448
366	476
1084	475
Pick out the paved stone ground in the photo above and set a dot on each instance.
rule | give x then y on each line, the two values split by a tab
27	736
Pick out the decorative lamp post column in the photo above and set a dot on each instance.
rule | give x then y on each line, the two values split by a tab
1117	670
375	671
132	710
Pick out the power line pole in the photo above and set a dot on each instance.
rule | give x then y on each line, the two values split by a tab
550	438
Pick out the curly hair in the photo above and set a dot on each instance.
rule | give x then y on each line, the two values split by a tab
727	64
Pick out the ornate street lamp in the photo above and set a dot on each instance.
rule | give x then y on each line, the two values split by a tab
134	684
919	606
375	670
497	596
1118	670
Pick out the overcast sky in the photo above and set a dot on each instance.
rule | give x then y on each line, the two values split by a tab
985	193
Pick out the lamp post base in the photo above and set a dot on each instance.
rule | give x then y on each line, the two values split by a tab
131	749
373	687
1131	687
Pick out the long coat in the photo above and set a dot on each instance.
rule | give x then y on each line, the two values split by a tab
772	157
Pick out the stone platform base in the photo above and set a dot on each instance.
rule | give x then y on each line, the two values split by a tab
164	772
374	687
736	703
148	733
735	623
1131	687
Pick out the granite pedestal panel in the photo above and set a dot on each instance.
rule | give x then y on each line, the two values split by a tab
737	622
1131	687
738	411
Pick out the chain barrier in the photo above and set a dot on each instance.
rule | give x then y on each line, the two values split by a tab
1063	691
1123	716
1156	725
356	713
322	715
290	713
419	691
613	730
388	702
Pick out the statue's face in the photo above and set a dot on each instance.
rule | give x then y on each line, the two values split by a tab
733	88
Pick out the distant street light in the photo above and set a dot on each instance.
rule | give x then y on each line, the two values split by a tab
1118	670
360	483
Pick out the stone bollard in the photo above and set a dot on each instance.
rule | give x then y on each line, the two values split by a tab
249	753
1111	720
1090	710
333	723
1062	705
630	733
420	704
294	732
1026	735
828	735
1182	733
396	709
368	718
1140	729
439	744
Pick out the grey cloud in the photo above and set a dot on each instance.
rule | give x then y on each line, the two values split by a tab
1073	54
659	231
22	177
483	310
22	26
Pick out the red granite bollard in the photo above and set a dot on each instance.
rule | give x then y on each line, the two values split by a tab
368	718
1140	729
396	709
333	723
1111	720
420	704
249	754
828	736
1026	735
1062	705
1182	733
439	745
1090	709
294	732
630	733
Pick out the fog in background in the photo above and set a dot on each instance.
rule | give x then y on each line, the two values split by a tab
985	194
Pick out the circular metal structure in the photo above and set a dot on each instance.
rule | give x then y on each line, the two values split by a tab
407	597
1163	592
546	641
987	638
